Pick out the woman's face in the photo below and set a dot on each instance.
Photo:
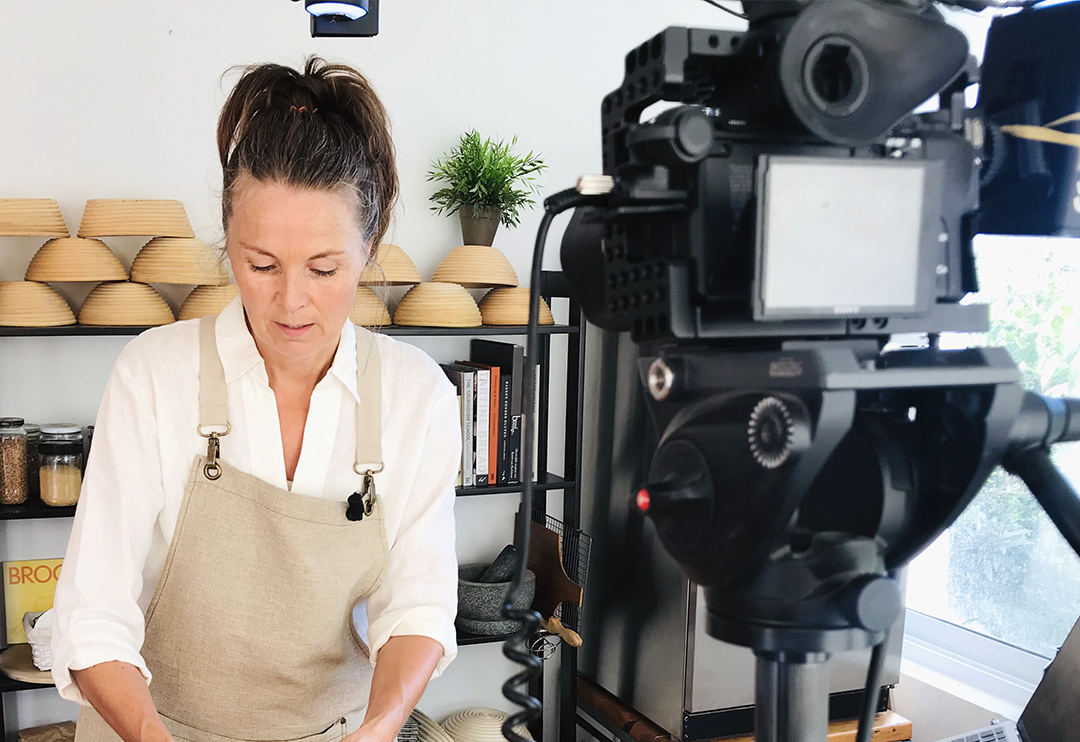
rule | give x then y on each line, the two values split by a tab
297	255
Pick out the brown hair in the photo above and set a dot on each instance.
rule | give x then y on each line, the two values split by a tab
323	128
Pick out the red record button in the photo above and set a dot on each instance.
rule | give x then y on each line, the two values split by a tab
643	500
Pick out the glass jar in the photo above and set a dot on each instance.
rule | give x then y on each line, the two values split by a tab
12	461
61	464
33	459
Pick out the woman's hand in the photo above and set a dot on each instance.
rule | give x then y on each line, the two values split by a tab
402	672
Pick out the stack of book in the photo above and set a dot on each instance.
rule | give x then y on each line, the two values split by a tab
490	390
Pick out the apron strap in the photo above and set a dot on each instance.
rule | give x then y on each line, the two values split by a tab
369	413
213	407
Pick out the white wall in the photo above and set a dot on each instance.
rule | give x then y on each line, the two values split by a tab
118	99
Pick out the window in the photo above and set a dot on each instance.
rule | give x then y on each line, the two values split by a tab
1002	569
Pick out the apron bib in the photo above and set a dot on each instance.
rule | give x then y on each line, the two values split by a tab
249	634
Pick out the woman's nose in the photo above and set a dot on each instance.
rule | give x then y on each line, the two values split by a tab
294	291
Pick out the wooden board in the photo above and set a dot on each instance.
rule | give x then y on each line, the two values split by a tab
888	726
553	586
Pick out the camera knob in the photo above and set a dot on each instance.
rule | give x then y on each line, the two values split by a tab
872	602
661	498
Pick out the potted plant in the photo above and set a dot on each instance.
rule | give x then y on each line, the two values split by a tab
485	184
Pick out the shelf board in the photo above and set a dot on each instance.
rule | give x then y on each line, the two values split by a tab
88	331
34	508
466	640
7	685
548	482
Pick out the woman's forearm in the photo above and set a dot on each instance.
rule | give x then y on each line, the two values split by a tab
118	692
402	673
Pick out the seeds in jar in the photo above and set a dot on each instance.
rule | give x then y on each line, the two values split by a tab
12	470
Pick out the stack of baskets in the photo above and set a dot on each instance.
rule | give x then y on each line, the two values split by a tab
445	302
172	256
391	267
32	303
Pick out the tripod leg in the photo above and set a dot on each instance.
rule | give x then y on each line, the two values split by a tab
791	697
1051	489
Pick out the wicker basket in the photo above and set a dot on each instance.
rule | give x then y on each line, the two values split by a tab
32	304
105	217
123	303
204	301
392	267
437	305
368	309
178	260
75	259
31	217
476	267
511	307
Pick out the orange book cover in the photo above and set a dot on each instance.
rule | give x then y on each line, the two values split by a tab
493	418
29	586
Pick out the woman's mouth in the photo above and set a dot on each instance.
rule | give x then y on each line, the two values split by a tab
293	331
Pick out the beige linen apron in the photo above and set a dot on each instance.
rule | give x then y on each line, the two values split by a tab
249	634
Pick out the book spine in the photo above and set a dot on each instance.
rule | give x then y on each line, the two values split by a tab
535	424
469	478
493	426
504	428
461	465
482	427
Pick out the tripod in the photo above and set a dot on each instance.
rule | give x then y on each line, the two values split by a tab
793	483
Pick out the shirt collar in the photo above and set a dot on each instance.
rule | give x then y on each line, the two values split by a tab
239	354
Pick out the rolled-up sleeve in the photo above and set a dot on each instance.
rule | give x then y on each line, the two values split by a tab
97	617
418	595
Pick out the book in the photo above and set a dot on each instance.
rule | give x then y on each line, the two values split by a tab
482	424
493	434
460	464
29	586
510	359
464	378
505	383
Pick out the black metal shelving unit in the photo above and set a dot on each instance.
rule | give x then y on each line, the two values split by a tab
553	285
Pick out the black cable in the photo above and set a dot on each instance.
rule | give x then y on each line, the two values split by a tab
517	646
873	687
726	9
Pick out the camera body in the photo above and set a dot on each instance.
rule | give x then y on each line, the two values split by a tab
792	193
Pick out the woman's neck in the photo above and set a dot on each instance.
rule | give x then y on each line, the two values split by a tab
296	374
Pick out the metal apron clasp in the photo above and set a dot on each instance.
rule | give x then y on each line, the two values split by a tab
212	470
362	502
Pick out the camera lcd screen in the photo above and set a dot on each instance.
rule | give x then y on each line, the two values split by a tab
840	237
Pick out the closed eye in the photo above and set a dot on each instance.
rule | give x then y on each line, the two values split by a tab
324	274
262	268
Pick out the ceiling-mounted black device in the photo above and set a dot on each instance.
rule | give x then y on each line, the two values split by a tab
343	17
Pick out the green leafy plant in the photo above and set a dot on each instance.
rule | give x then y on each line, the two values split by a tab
486	174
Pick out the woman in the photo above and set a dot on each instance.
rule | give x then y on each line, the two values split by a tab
258	475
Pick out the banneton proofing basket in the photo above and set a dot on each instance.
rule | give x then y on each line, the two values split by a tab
368	309
204	301
32	304
107	217
392	267
75	259
476	267
437	305
510	306
31	217
479	725
124	303
178	260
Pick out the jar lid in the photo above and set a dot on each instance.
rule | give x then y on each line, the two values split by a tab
32	427
11	422
60	429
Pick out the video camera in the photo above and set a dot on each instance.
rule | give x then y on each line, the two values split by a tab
763	240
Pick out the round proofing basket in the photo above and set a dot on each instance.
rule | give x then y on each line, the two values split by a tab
123	303
32	304
204	301
392	267
106	217
31	217
178	260
368	309
437	305
75	259
511	307
476	267
479	725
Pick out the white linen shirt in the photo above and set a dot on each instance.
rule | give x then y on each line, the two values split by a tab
145	442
